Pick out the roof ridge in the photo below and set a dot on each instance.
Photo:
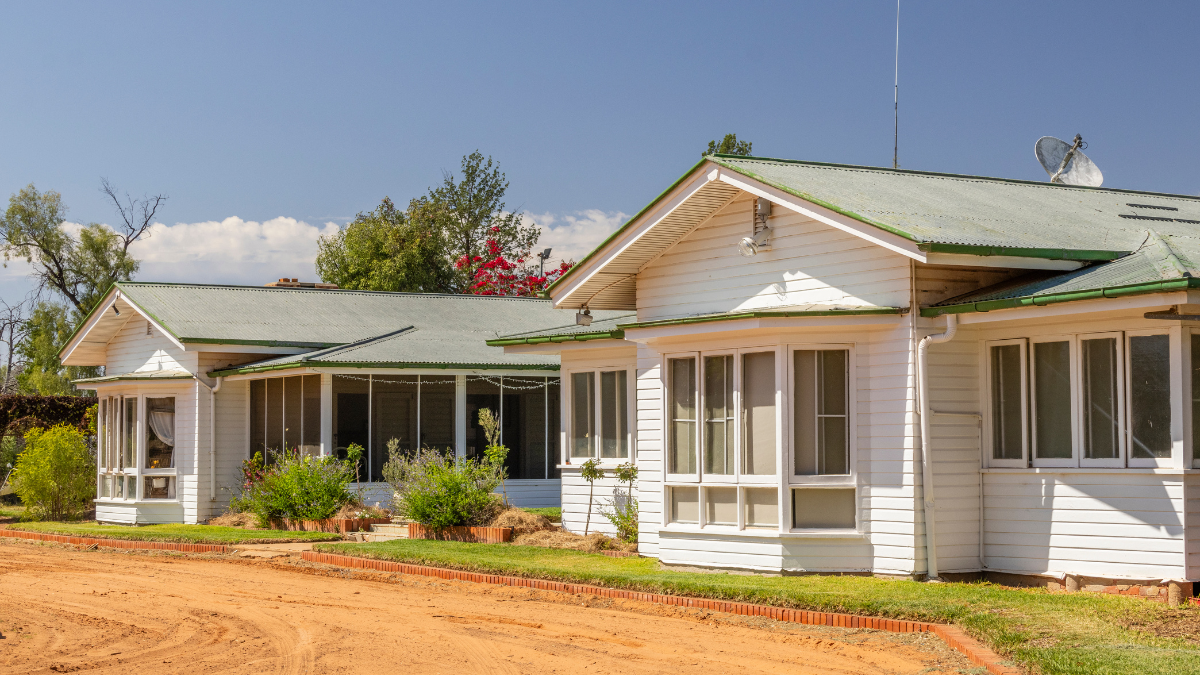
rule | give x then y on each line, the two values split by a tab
1168	263
357	343
960	176
276	289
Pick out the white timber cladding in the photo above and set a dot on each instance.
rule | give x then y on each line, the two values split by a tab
576	490
882	454
132	350
231	425
1192	498
1104	521
808	262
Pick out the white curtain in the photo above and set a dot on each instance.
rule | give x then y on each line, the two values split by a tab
163	425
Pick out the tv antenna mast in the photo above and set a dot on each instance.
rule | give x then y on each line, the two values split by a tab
1066	163
896	144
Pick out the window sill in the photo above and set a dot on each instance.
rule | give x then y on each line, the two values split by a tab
109	501
761	533
609	464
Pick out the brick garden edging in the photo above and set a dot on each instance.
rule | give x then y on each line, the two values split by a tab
117	543
954	637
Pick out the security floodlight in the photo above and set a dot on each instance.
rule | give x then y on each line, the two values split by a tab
749	246
583	318
542	265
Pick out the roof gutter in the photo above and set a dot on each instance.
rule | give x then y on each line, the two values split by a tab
1069	296
293	365
543	339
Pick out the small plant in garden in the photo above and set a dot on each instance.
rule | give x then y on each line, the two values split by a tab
591	472
297	487
494	453
438	491
354	455
55	476
622	512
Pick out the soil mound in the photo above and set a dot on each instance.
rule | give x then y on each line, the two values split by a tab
522	522
246	521
558	538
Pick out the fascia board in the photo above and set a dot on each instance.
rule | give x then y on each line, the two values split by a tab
556	348
596	261
764	323
89	322
1015	262
1080	307
226	348
896	243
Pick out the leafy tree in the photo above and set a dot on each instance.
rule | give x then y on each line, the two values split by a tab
80	268
730	145
386	250
471	212
46	332
591	472
498	275
55	476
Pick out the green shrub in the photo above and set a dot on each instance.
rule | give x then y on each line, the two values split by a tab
622	512
55	476
298	487
437	491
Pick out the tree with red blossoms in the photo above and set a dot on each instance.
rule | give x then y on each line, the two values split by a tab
497	275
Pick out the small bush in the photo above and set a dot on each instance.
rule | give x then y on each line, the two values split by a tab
295	486
55	476
622	512
437	491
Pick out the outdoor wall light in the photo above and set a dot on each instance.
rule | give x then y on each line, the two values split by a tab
749	246
583	318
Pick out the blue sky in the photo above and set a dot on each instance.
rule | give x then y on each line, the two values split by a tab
265	122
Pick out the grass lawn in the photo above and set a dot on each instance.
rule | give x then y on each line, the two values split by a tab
12	513
1048	633
554	513
185	534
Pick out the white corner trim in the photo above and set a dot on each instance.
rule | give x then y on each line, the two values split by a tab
821	214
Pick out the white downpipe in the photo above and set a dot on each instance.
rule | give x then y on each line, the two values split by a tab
926	463
212	437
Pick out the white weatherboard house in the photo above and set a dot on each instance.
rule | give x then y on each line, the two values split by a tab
198	378
913	374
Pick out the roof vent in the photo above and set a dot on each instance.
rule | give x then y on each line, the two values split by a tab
284	282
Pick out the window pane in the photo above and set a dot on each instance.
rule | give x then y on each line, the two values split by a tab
685	504
129	440
101	446
111	432
614	414
481	394
1007	427
525	427
1100	423
583	413
719	417
804	412
720	506
292	402
1150	396
758	395
275	417
105	482
1052	400
310	442
351	415
823	508
393	416
158	487
160	433
833	439
552	394
762	507
258	417
682	412
438	396
119	488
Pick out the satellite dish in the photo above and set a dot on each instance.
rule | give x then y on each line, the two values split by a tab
1066	163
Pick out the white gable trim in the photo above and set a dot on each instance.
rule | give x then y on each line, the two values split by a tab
99	315
823	215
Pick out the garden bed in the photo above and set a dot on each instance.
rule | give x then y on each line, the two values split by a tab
338	525
187	534
1064	633
470	535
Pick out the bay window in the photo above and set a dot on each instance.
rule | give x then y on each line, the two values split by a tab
1087	400
600	416
725	438
135	448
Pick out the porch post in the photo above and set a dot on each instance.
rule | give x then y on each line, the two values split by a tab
460	416
326	414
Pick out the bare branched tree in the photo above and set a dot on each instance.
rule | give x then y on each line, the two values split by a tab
136	214
13	327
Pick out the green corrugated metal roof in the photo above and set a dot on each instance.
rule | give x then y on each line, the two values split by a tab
602	328
1160	263
975	211
143	375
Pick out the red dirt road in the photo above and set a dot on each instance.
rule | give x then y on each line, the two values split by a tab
63	610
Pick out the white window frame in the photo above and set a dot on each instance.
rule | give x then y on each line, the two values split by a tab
1122	387
1174	366
568	424
782	421
667	426
988	424
1076	395
143	442
816	480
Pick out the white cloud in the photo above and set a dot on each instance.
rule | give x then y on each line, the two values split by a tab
574	236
